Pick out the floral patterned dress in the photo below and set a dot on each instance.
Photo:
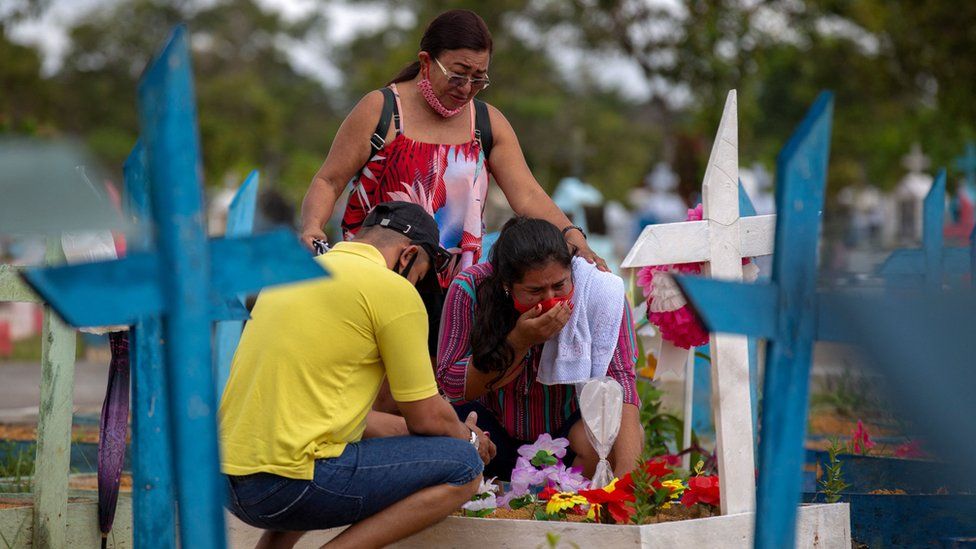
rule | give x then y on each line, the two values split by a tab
449	181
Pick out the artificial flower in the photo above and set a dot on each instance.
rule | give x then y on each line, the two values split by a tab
615	497
701	489
566	479
546	493
564	501
860	440
548	446
910	449
481	502
657	468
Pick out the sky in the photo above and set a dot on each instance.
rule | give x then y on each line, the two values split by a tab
310	57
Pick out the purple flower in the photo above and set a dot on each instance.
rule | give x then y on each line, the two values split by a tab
547	446
566	479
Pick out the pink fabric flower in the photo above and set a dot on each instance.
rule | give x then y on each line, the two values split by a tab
680	326
911	449
545	443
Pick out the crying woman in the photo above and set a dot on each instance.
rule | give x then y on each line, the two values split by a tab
518	332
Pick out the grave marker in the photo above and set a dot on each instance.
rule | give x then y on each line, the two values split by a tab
721	239
787	312
177	281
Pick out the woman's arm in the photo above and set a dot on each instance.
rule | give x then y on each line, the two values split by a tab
630	441
350	150
524	194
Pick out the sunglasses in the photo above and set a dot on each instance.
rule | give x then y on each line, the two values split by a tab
439	259
457	80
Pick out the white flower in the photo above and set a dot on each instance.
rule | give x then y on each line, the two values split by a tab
486	502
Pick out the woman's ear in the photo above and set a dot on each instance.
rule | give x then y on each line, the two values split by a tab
425	62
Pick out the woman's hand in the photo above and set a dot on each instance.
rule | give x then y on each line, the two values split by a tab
576	239
310	234
535	327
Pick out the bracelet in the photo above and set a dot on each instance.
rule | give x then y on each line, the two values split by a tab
571	227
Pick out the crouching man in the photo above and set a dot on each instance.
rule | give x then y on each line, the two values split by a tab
301	448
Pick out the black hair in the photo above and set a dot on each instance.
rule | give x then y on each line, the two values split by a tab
451	30
524	244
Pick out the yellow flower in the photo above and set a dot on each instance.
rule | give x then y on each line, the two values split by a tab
612	486
562	501
676	488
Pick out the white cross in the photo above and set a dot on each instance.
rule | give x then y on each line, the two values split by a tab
915	161
721	240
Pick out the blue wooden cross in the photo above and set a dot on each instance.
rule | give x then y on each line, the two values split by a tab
240	222
967	165
932	262
785	312
153	512
178	281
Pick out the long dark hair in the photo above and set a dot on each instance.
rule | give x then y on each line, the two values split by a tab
524	244
451	30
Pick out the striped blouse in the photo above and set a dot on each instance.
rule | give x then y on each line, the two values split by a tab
525	407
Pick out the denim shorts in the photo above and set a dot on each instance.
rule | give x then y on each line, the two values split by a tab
368	477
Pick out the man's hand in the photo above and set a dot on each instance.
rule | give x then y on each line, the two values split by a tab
486	448
535	327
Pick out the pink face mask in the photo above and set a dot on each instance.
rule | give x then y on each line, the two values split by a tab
547	304
427	90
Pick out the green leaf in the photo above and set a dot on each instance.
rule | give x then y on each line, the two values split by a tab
521	502
543	458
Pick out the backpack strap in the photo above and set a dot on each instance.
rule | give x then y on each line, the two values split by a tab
482	126
378	139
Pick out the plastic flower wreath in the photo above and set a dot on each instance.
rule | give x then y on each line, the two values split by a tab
667	307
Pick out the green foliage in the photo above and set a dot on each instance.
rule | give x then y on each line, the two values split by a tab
552	541
16	467
521	502
543	458
849	395
661	430
832	481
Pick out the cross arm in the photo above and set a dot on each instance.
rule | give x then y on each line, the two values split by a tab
751	309
687	241
120	291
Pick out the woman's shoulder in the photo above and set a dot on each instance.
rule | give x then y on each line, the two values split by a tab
473	275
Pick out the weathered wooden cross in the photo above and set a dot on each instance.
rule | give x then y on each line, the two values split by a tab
240	222
178	281
931	263
698	381
788	313
722	238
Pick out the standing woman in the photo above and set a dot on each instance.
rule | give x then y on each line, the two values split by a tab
438	152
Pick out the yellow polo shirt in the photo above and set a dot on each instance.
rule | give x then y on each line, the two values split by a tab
311	361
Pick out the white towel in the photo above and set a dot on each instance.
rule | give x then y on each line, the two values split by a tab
584	347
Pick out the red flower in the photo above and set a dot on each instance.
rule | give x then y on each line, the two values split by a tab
910	449
657	468
616	500
547	493
860	440
701	489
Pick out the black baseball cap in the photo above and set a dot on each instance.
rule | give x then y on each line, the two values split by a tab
413	221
